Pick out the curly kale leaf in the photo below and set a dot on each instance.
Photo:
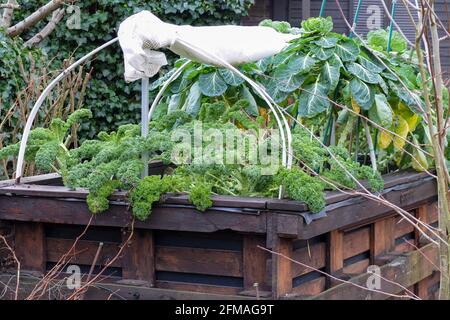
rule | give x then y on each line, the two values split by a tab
98	201
47	154
149	191
200	196
302	187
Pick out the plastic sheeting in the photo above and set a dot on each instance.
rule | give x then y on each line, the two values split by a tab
143	34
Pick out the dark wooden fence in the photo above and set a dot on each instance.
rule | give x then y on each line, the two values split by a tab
182	253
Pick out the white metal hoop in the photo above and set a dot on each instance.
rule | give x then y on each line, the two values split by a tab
40	101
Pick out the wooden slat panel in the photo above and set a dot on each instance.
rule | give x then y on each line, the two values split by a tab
404	247
432	212
335	254
281	268
342	217
310	288
402	227
382	237
356	242
138	261
358	267
84	252
62	211
30	246
202	288
405	270
255	262
335	251
201	261
314	257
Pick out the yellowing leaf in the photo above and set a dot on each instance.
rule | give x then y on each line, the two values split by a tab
419	162
355	106
410	117
384	139
401	129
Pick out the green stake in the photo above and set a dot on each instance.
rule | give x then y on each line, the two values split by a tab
355	20
391	25
322	8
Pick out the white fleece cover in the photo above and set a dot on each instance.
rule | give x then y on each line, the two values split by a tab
142	34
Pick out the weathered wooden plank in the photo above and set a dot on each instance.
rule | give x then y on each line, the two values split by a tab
432	213
356	242
314	256
404	247
197	288
361	210
402	227
199	261
309	288
80	193
281	268
335	253
30	245
43	178
83	253
382	237
357	267
405	270
75	211
111	290
255	262
138	261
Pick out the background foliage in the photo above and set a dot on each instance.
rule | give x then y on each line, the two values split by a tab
112	101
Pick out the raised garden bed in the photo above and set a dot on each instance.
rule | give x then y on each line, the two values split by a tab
180	252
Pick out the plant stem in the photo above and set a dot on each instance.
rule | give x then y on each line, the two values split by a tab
373	158
442	183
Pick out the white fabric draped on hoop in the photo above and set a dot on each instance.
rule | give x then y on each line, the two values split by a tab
142	34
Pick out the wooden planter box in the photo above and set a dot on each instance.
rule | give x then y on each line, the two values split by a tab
180	252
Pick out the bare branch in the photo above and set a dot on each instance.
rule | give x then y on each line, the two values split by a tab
11	5
8	13
45	32
34	18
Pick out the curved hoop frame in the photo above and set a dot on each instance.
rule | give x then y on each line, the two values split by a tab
40	101
275	108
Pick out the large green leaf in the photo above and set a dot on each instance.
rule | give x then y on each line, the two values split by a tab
273	90
212	84
193	101
362	73
347	50
362	93
381	111
230	77
322	53
252	108
330	73
388	75
302	63
174	102
371	65
179	84
287	80
282	58
313	99
410	99
384	86
327	41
